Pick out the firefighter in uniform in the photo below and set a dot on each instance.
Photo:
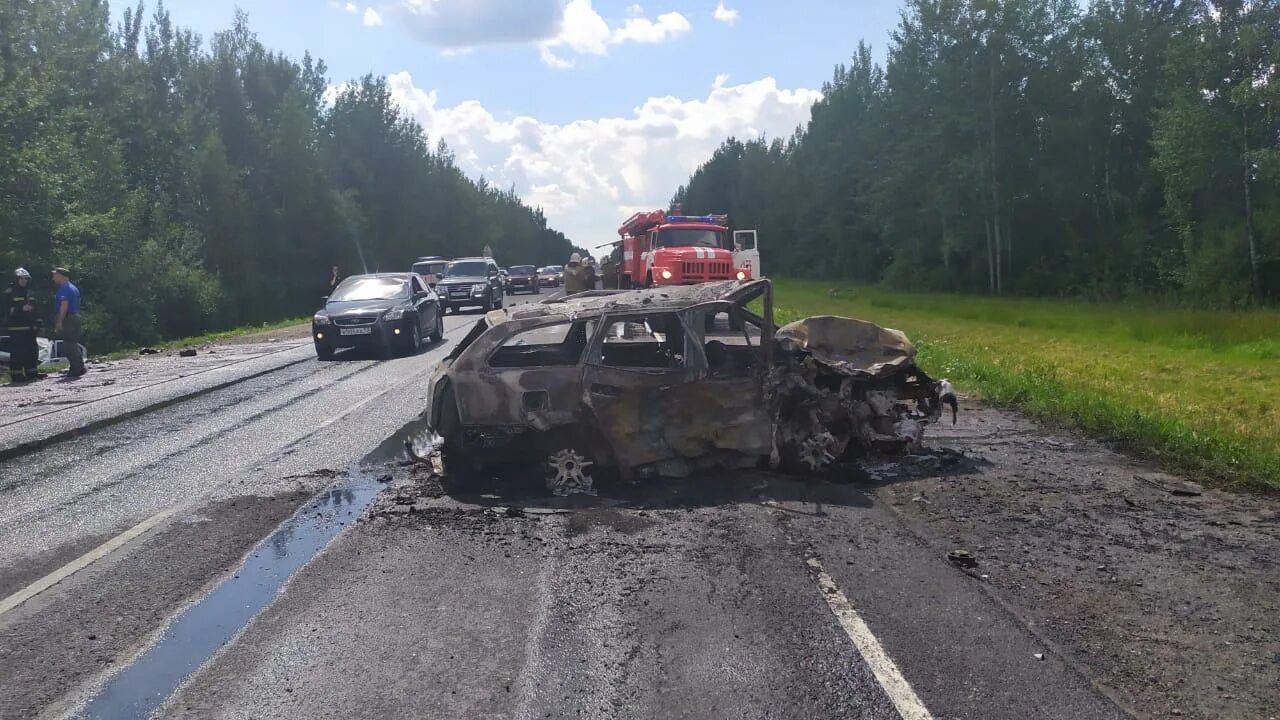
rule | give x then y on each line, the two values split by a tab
22	325
577	277
608	273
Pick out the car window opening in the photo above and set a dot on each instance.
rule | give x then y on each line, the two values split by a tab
653	341
731	342
560	344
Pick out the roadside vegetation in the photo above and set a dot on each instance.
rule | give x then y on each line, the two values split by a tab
197	184
1103	149
1197	390
207	338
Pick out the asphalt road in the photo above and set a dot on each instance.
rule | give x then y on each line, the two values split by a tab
751	596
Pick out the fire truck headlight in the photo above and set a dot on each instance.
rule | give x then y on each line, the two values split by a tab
666	274
742	275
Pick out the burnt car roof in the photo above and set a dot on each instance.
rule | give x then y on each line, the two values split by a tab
600	302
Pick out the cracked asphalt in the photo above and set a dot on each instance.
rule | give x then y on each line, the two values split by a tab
695	598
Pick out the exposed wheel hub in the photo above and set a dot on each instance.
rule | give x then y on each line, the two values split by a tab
815	452
568	473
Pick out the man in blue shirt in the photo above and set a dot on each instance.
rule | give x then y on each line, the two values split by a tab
66	327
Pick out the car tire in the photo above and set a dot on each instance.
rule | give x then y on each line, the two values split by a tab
438	334
324	352
415	340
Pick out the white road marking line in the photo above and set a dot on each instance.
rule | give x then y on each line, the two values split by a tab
882	666
83	561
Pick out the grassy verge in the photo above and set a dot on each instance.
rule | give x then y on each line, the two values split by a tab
1196	390
208	338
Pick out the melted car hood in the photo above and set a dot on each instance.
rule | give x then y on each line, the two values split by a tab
849	346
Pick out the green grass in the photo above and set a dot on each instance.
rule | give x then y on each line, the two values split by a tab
1197	390
208	338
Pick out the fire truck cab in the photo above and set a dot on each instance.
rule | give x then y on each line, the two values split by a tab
662	249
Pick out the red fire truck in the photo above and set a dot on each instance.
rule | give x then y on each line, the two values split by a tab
662	249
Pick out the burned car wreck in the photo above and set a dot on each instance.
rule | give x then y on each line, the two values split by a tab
667	381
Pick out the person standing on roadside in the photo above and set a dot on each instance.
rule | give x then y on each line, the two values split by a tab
21	324
608	273
66	326
576	276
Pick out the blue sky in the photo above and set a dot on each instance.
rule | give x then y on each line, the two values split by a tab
591	108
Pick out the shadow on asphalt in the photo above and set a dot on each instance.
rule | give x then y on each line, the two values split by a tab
368	353
850	484
507	486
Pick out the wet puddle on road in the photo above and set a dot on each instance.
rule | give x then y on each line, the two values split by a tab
197	633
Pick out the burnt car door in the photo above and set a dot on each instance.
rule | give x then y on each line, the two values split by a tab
647	382
636	369
531	379
725	410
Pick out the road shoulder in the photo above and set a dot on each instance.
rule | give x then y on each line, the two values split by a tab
1162	591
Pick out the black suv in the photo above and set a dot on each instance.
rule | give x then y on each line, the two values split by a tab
470	282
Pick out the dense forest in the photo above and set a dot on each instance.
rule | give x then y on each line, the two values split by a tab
191	186
1114	148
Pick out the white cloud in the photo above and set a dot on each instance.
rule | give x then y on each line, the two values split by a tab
643	30
585	32
471	23
591	174
725	15
372	18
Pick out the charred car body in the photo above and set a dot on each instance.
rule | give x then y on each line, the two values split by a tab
666	381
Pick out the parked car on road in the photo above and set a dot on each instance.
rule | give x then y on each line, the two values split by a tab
431	268
522	278
551	276
471	282
389	313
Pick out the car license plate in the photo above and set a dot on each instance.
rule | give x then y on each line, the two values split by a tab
355	331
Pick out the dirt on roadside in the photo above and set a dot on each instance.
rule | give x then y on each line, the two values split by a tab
292	332
1164	593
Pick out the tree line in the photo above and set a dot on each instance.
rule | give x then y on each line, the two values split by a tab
1125	148
194	186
